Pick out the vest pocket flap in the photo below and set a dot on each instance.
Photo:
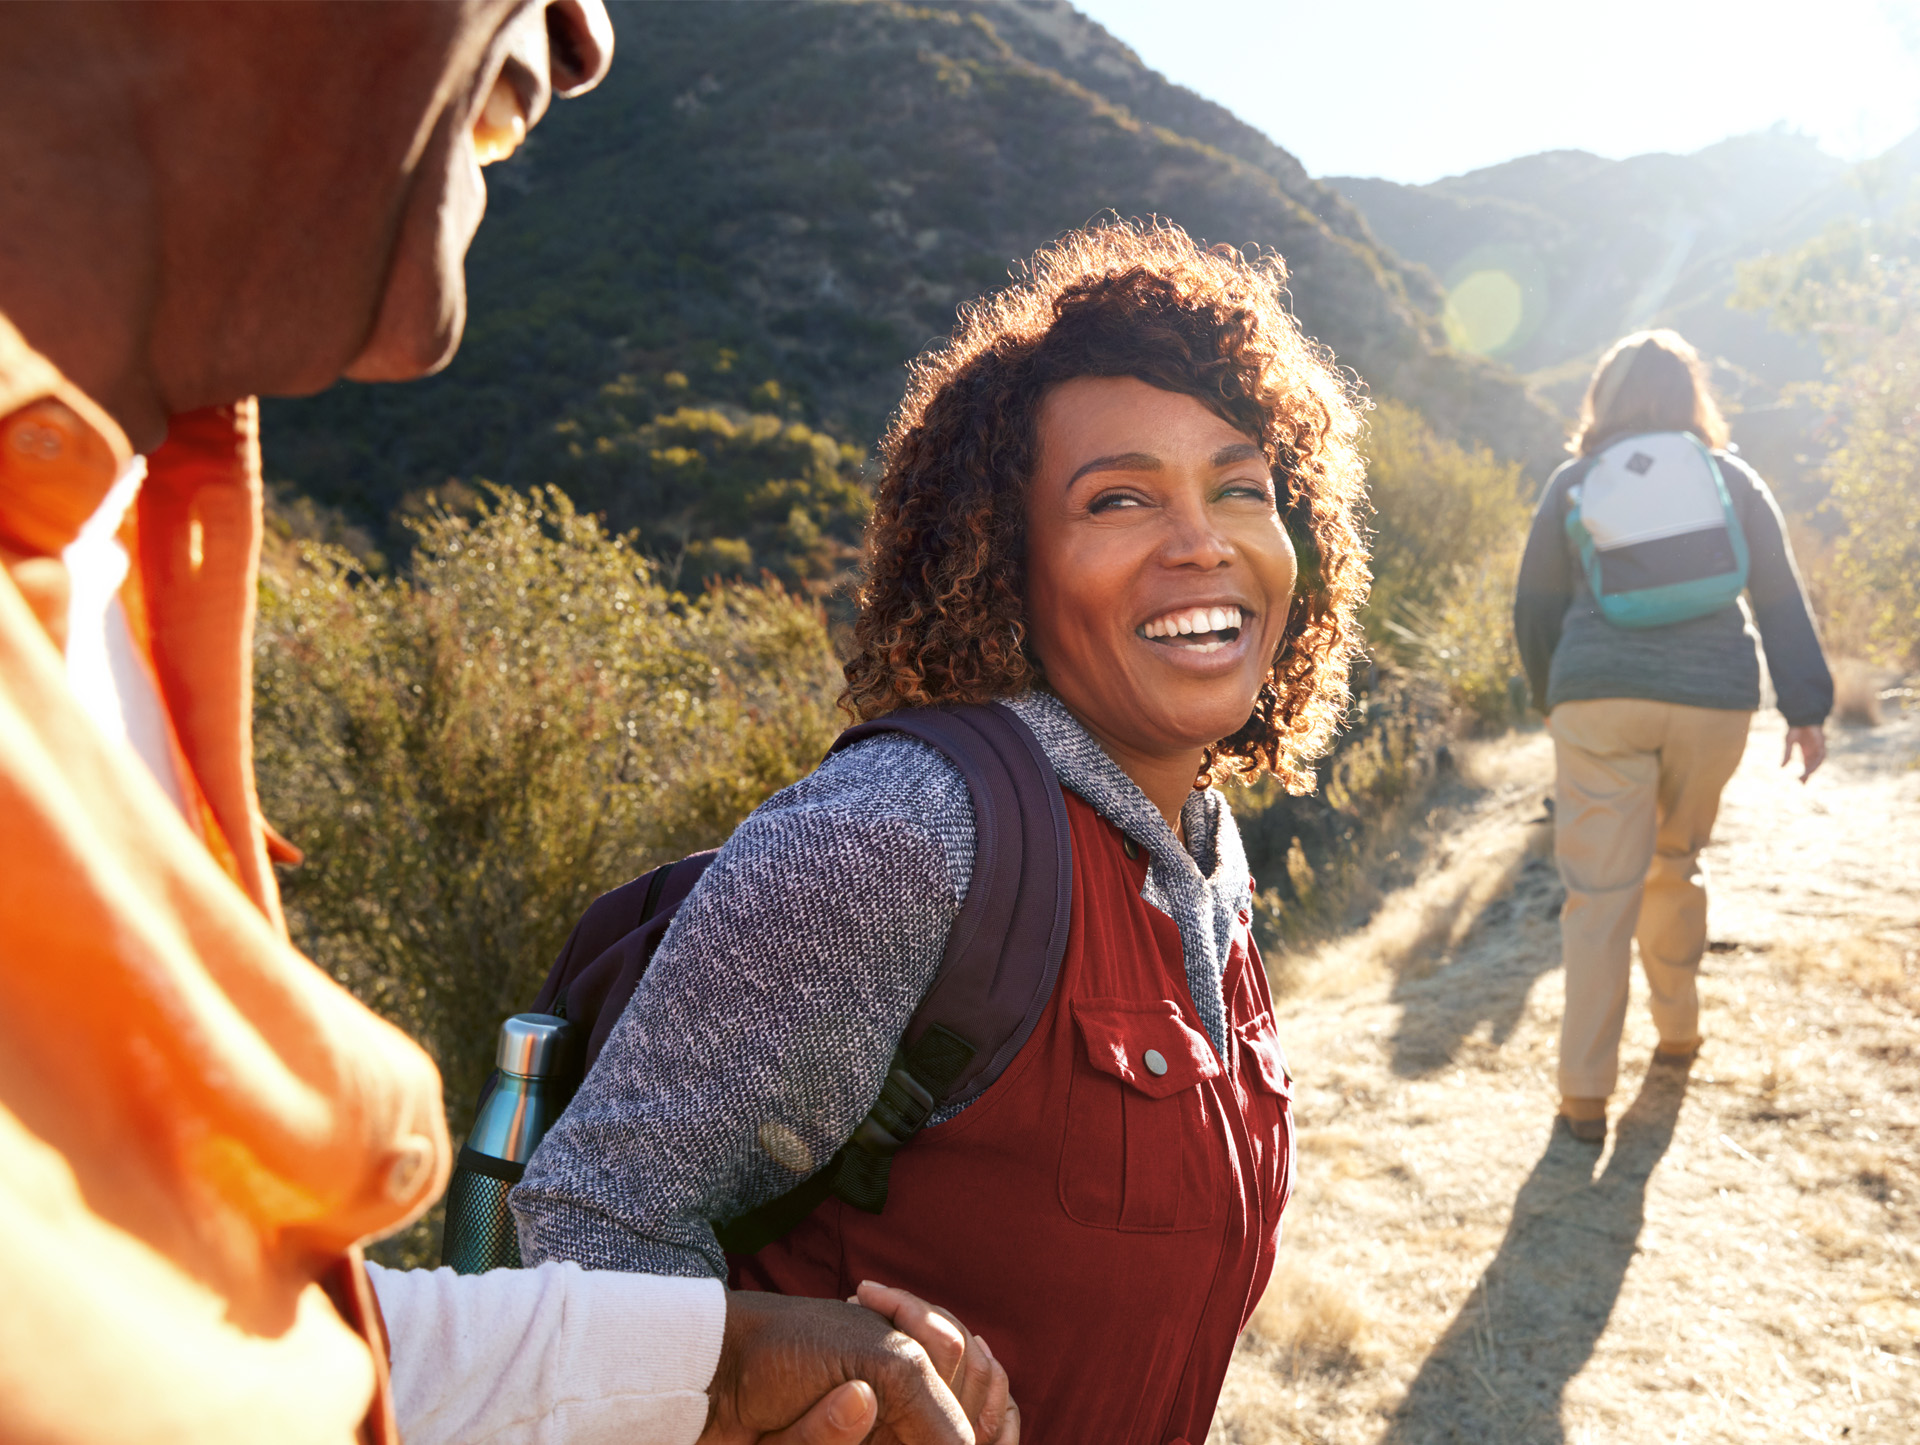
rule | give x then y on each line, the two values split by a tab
1261	1045
1147	1045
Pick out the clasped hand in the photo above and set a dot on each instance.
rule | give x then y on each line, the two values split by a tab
885	1367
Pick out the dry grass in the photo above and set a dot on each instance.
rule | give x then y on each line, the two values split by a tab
1856	693
1741	1262
1882	965
1310	1320
1425	889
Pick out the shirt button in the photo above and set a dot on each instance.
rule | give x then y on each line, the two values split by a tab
410	1161
1155	1062
37	440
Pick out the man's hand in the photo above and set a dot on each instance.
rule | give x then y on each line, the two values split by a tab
818	1372
1812	742
845	1417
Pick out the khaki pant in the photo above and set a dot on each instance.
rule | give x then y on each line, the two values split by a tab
1636	788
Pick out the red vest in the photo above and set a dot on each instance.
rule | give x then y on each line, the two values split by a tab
1106	1215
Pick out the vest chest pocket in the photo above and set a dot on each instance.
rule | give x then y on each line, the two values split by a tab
1145	1148
1260	1044
1264	1064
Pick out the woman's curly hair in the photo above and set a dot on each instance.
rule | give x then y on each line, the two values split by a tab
942	613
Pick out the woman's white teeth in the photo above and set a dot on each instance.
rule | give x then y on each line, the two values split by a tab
502	125
1194	620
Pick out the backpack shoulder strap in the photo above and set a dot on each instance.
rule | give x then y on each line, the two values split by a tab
1001	962
1004	950
608	951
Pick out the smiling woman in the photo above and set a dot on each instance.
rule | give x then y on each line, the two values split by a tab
1118	513
1132	373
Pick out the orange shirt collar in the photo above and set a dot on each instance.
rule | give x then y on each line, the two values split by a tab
59	452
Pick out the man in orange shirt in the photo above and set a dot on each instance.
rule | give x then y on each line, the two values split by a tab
200	203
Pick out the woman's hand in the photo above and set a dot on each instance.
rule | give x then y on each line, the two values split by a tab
1812	742
959	1356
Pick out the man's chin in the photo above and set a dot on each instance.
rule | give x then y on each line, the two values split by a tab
406	352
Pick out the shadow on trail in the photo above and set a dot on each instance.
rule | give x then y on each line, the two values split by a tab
1488	976
1531	1323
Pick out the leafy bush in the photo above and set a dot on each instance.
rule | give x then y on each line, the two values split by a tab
715	491
471	753
1449	525
1857	290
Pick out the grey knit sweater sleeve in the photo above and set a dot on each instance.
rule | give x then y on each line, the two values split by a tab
732	1076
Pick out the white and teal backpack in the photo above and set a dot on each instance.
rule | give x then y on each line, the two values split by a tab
1656	532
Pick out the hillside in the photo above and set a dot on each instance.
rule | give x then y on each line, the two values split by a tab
1597	246
772	207
1548	258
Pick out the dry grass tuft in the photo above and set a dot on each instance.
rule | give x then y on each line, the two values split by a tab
1310	1322
1856	693
1823	1223
1880	965
1416	929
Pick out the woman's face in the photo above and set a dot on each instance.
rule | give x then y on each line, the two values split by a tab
1158	572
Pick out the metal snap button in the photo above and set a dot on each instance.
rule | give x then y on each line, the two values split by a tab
1155	1062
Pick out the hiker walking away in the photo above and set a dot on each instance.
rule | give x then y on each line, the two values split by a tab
1118	515
199	203
1656	571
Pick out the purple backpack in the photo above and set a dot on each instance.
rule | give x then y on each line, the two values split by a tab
1002	957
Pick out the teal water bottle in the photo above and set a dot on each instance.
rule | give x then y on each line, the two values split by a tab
519	1105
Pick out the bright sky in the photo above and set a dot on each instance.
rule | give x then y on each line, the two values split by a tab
1418	89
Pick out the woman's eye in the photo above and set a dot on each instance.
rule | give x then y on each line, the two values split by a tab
1258	491
1108	501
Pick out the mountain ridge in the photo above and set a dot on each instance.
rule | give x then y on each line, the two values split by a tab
780	204
1596	248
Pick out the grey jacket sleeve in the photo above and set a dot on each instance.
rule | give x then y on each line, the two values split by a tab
762	1032
1545	586
1801	683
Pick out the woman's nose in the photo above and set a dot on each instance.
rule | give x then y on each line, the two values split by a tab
1196	540
579	44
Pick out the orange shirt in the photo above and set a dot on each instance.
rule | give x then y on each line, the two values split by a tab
196	1125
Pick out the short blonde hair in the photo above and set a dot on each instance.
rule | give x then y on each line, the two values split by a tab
1649	381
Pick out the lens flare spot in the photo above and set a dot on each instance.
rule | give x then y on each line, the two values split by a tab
1484	311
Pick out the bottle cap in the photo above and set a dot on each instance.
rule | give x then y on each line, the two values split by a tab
531	1044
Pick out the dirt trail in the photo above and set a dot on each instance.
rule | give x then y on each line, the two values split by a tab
1741	1262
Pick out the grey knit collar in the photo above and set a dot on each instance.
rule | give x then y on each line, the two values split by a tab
1203	887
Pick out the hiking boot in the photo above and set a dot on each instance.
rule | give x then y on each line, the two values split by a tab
1585	1119
1676	1055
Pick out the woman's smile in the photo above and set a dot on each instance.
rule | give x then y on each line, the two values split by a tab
1207	630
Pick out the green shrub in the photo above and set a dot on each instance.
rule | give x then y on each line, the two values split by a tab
717	492
471	753
1857	290
1449	523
